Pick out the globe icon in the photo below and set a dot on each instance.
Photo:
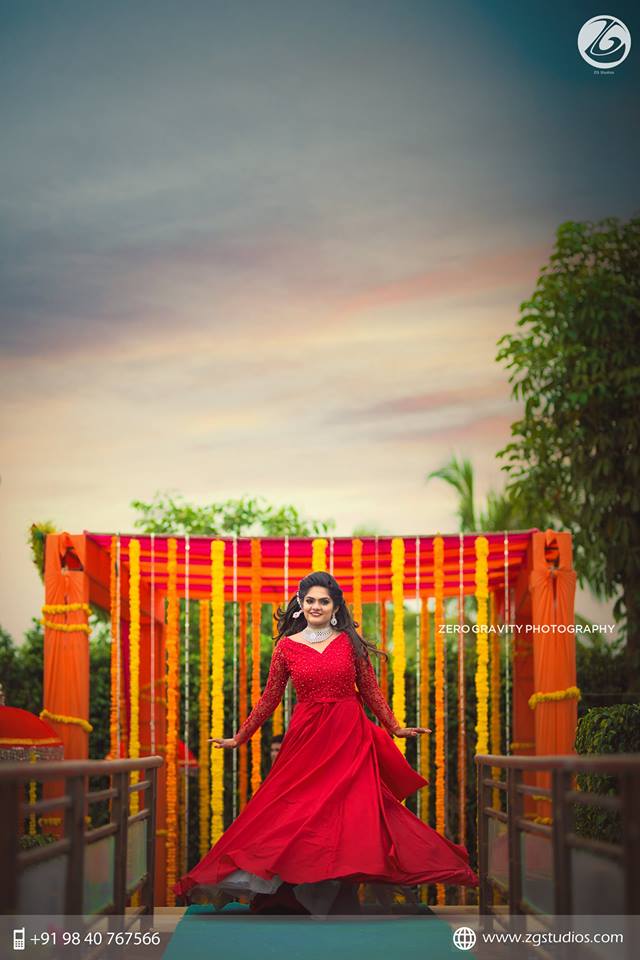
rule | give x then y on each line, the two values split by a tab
464	938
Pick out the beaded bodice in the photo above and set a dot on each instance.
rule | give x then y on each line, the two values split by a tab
332	674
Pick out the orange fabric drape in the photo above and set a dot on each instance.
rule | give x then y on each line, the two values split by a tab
554	655
66	653
552	590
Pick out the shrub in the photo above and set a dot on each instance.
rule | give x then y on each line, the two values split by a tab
602	730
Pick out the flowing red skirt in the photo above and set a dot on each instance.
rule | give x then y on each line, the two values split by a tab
330	809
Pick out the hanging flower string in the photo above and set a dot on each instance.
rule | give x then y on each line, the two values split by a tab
256	611
482	686
462	706
134	664
278	716
173	658
384	664
356	562
399	652
438	622
424	704
217	687
319	554
495	697
243	772
203	727
114	732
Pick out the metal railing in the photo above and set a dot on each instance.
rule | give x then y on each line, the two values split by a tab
560	832
73	803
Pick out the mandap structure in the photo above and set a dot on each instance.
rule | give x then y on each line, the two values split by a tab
177	599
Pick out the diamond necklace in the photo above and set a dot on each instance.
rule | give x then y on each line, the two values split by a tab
317	636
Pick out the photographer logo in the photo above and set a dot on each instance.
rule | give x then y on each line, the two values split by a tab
604	42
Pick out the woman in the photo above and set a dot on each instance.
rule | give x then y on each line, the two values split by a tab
328	814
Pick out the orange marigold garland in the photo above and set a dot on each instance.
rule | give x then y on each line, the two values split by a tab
134	664
462	721
114	711
256	612
383	663
399	650
425	711
217	687
203	726
440	720
482	685
173	662
243	772
495	697
356	562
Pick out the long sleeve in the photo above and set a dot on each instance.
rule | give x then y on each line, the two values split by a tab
271	697
372	694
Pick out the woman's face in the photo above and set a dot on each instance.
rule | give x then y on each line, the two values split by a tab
318	607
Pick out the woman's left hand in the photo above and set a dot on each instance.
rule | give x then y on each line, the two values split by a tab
410	731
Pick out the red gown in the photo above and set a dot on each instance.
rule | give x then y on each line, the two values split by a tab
329	809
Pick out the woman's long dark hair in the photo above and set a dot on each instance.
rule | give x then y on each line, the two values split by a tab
288	625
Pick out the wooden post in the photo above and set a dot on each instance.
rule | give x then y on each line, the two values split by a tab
121	818
151	804
483	843
74	830
630	799
562	825
514	811
9	812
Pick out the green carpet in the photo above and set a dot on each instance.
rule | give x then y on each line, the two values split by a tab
233	934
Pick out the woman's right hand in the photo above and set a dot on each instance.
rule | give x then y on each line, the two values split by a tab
219	742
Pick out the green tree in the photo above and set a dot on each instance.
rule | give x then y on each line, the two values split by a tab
244	516
21	668
502	511
576	365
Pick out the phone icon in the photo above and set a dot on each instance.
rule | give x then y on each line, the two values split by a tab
18	939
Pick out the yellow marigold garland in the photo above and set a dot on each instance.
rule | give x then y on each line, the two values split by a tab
203	726
134	664
278	716
356	562
63	718
399	651
482	685
66	627
319	554
438	621
217	687
173	659
256	611
66	607
114	732
33	796
571	693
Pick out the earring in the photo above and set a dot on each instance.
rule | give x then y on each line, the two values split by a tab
334	620
298	612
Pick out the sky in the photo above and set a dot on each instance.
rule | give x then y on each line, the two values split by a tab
268	248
